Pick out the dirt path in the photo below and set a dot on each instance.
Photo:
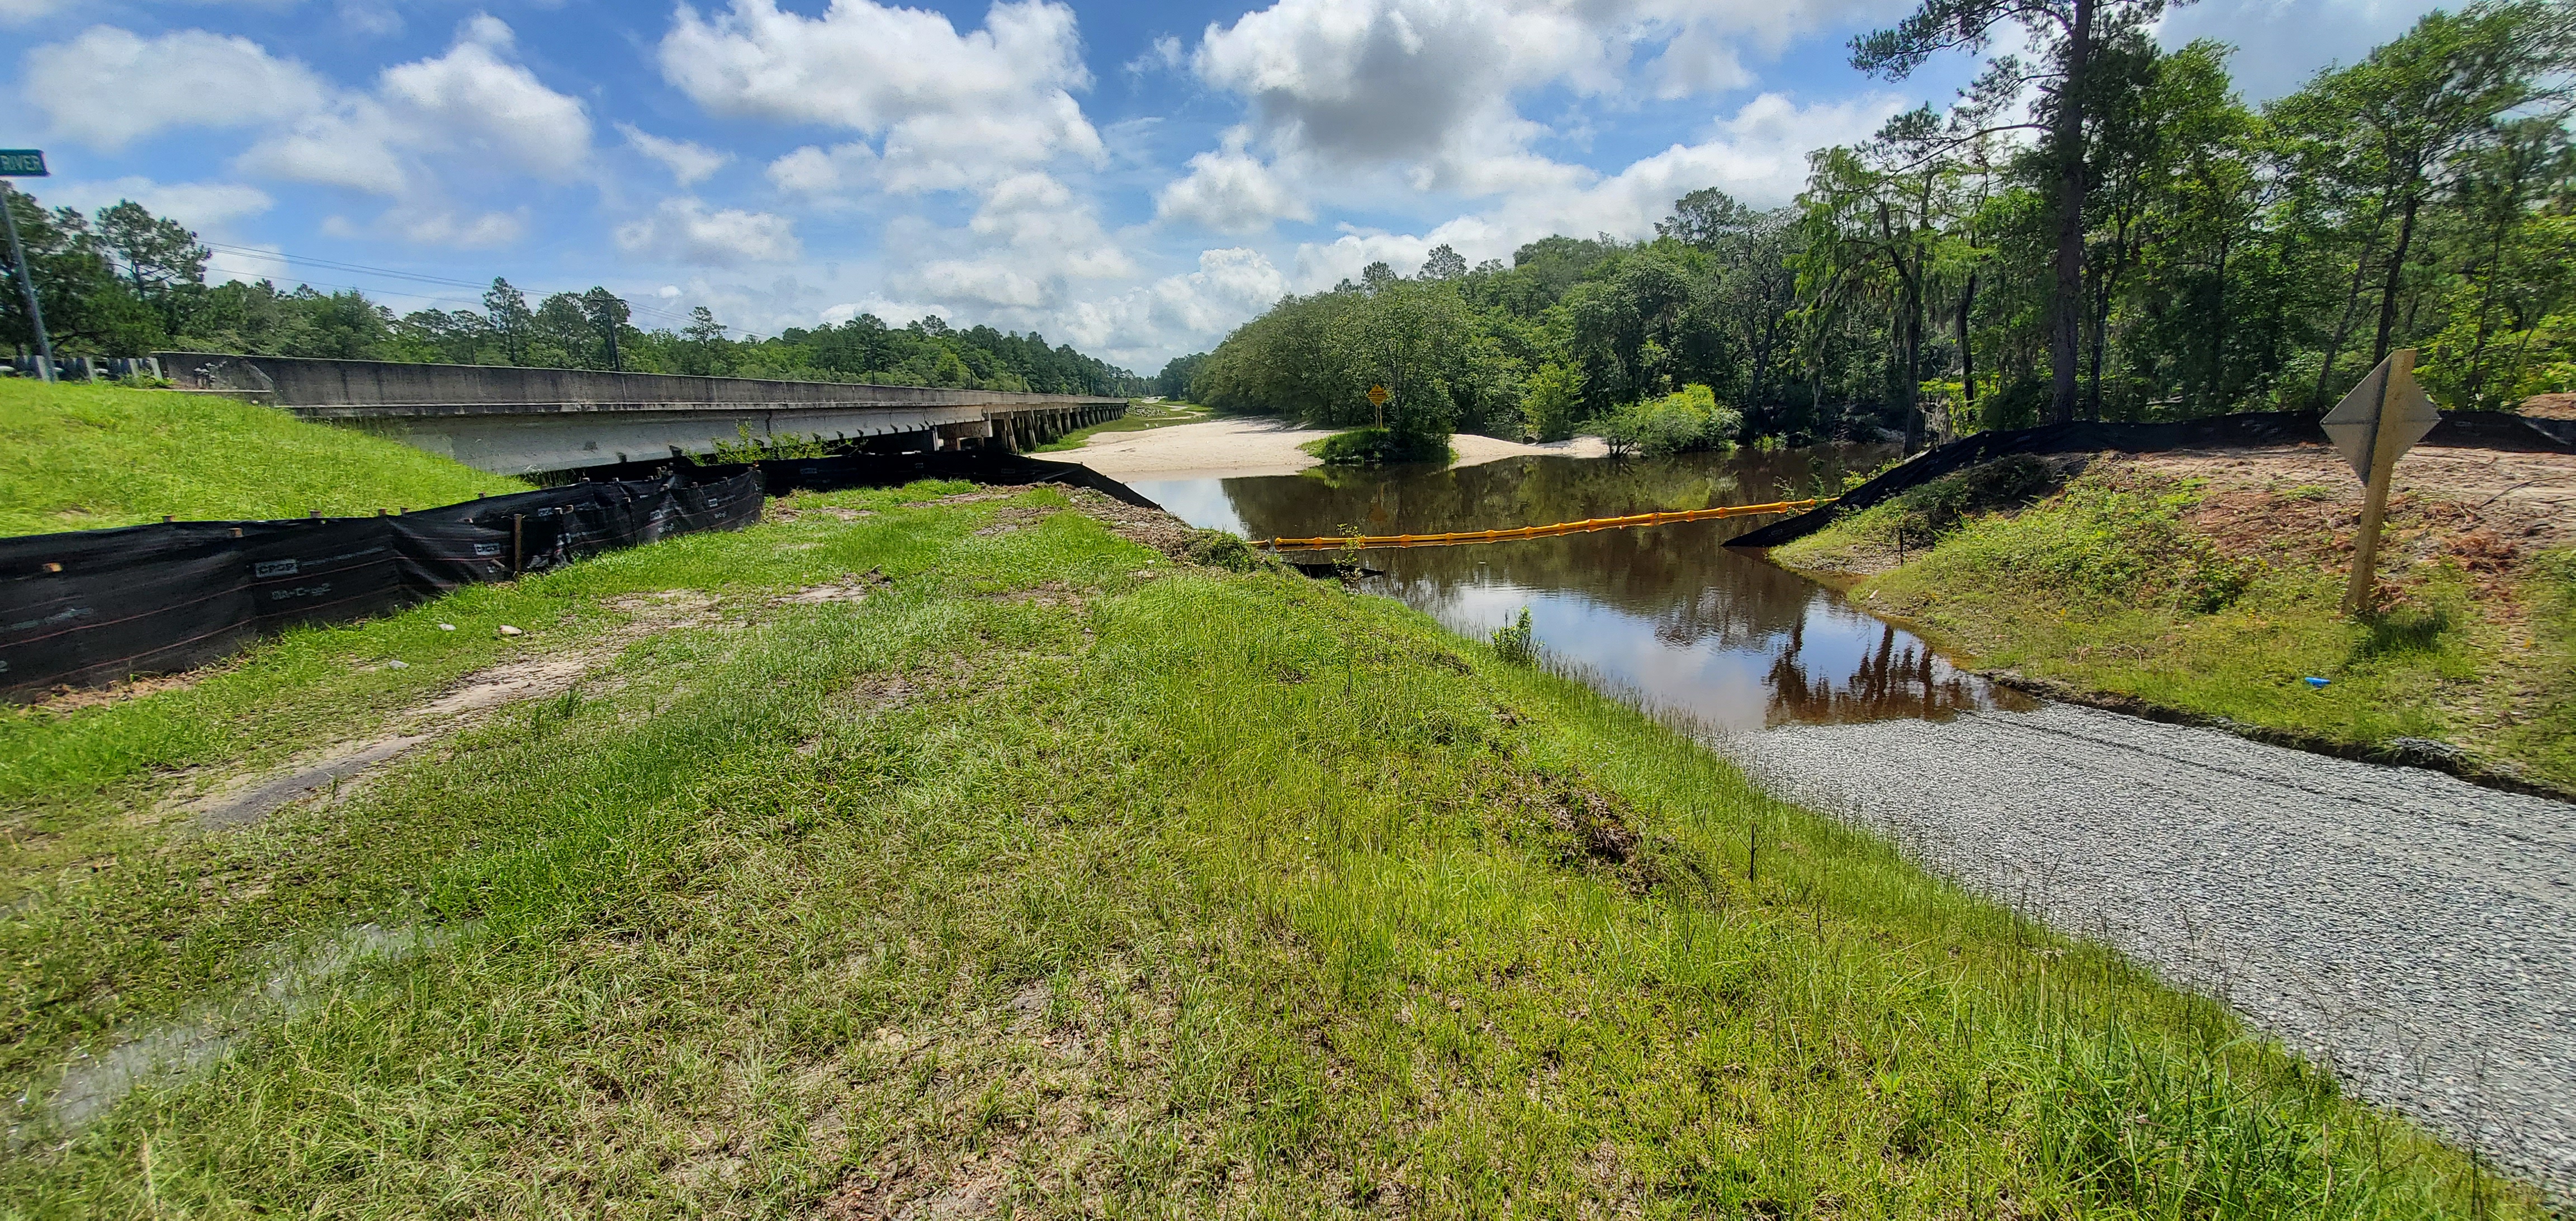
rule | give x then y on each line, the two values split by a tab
2413	931
1233	447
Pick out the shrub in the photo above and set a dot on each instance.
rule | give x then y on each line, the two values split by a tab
1219	549
1378	446
1517	642
1676	423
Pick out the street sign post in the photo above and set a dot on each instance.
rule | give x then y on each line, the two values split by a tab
26	163
2373	426
1377	398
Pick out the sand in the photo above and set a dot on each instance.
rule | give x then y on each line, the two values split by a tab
1234	447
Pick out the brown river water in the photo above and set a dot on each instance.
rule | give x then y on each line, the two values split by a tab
1668	615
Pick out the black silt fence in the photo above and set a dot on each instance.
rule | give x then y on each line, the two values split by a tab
863	470
95	606
2458	429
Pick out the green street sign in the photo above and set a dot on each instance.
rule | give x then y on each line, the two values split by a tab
22	163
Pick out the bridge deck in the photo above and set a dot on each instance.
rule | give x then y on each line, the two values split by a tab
518	421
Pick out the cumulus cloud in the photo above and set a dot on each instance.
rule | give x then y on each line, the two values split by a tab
953	110
474	102
109	87
1027	248
1231	191
824	173
1425	91
685	230
687	162
1758	155
465	230
1146	325
203	206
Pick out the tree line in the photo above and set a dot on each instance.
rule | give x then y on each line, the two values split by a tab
124	282
2099	228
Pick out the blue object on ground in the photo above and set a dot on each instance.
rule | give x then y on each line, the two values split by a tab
2318	683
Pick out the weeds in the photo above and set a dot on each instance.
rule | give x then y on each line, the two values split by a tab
1516	642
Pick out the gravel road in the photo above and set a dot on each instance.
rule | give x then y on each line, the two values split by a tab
2415	931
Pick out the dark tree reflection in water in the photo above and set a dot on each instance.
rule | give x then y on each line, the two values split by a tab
1668	612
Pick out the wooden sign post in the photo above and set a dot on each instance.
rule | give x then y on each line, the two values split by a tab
1377	399
2373	426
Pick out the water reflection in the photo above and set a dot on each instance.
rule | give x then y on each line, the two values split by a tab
1668	612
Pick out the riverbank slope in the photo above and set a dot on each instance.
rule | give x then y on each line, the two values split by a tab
2207	584
948	850
82	457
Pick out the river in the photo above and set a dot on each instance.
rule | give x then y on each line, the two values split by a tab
1667	615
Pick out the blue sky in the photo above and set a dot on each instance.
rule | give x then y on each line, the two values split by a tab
1133	178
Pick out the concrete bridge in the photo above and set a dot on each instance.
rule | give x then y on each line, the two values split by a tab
515	421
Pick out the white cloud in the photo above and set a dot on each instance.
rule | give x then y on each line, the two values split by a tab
1024	250
109	87
687	162
441	227
1758	155
685	230
1423	93
1166	53
1145	326
954	110
248	265
825	173
432	129
203	206
1231	191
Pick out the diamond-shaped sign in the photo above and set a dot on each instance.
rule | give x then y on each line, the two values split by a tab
2409	415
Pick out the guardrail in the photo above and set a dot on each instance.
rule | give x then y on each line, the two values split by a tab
1362	541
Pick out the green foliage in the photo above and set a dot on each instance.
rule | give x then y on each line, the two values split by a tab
1219	549
78	457
1516	642
2101	543
1676	423
1549	402
748	448
1380	446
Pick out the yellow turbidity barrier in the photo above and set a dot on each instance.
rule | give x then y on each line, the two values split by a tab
1563	527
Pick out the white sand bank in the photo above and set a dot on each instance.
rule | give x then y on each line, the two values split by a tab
1234	447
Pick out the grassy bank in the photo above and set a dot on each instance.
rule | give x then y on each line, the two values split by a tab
2135	582
1140	417
77	457
948	851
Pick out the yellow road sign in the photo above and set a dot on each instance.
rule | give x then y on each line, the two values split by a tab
1377	396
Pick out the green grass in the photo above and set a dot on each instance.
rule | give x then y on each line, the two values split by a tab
2108	588
1140	417
1059	878
76	457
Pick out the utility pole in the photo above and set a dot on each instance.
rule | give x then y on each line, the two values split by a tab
25	163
